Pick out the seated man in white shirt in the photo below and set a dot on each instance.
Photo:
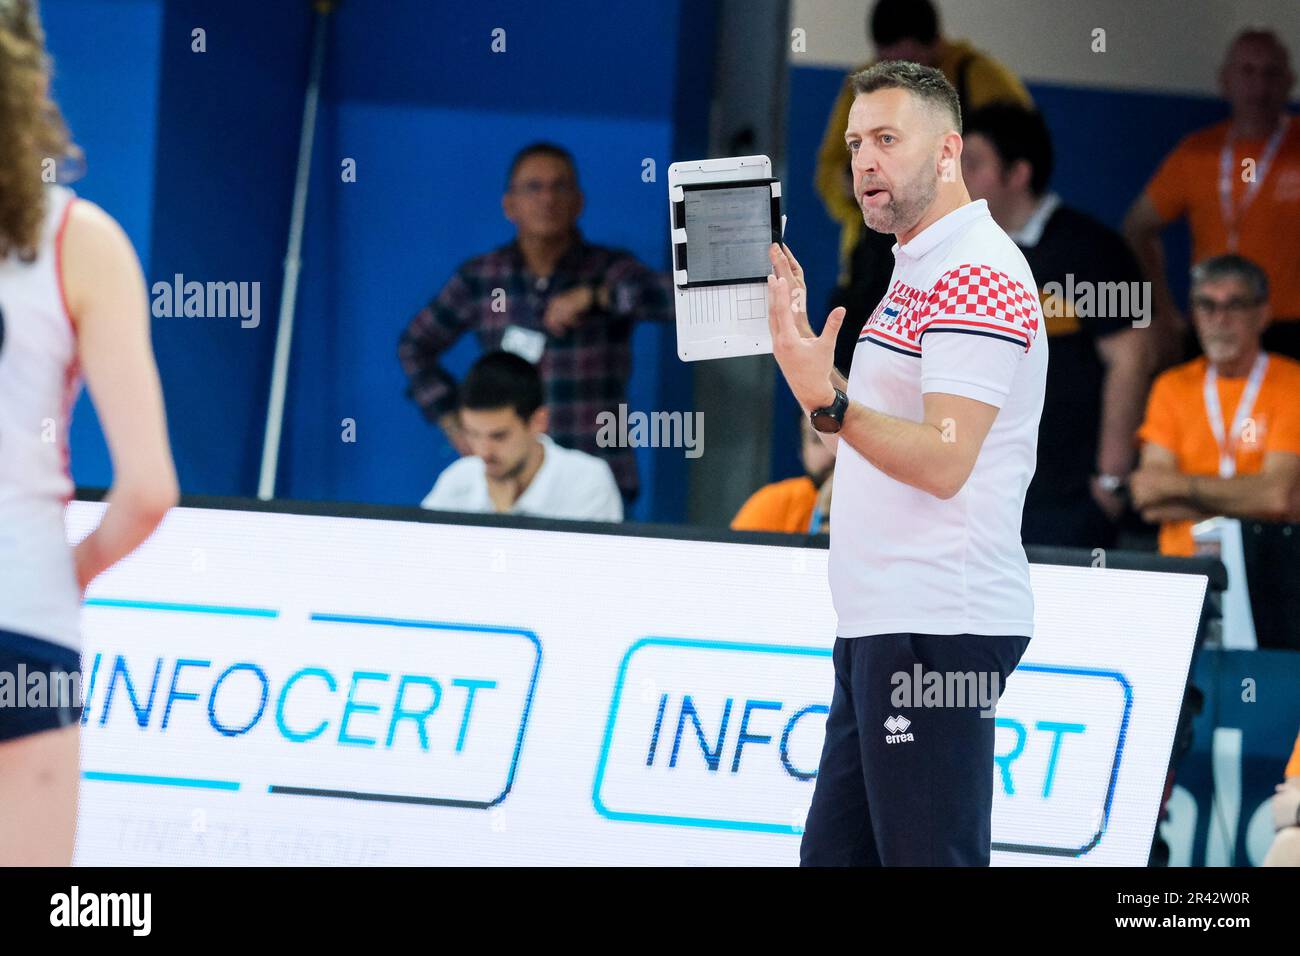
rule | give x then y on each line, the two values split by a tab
515	467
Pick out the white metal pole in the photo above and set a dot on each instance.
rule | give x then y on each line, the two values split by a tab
292	264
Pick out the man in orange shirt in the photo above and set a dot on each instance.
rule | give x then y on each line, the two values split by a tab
797	505
1222	432
1237	184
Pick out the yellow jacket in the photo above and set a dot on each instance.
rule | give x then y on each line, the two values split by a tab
987	81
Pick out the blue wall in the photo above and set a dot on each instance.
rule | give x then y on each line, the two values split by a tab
193	153
226	153
202	178
432	134
112	111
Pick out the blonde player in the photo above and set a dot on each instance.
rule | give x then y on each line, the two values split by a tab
72	304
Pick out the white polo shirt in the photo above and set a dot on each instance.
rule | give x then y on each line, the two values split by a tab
961	316
569	484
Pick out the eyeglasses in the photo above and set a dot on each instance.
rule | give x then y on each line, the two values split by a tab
533	188
1236	308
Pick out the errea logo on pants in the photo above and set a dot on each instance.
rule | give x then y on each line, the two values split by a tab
896	727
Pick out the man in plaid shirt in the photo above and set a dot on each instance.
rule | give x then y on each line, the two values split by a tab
551	292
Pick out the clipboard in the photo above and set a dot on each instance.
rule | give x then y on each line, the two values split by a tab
723	216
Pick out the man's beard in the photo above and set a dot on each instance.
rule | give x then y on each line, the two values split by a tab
905	206
1217	350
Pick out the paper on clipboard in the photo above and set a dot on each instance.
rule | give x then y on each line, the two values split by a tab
723	216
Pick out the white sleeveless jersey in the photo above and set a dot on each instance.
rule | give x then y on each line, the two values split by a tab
39	381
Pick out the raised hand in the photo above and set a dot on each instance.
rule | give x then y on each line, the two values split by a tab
806	359
786	266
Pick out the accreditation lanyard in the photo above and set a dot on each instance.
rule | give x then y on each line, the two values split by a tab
1228	444
1233	216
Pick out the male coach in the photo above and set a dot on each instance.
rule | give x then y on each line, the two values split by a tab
937	428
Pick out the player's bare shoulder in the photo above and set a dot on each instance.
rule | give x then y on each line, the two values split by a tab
90	233
95	256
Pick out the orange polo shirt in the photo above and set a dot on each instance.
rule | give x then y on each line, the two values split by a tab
1176	420
1293	767
781	506
1187	186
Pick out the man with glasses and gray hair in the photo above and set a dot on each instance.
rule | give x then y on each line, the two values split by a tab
1221	439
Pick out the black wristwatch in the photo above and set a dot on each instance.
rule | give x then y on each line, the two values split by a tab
830	419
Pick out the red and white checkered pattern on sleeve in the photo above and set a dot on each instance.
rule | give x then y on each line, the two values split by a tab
984	301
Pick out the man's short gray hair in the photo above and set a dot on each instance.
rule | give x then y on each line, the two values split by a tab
923	81
1233	267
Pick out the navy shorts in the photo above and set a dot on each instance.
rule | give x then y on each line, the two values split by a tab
51	700
907	780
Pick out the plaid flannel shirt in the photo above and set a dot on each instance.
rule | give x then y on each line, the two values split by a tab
584	372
